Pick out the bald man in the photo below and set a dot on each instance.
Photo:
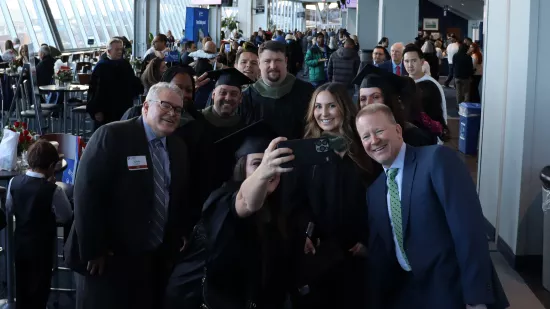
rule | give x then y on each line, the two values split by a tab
210	47
395	65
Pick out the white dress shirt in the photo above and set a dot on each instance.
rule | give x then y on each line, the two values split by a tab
61	206
452	49
398	163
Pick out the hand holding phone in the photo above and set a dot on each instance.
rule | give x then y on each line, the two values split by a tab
274	158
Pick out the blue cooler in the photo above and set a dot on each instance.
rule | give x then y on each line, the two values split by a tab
470	121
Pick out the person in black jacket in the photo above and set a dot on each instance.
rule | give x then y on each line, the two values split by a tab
113	86
463	71
44	69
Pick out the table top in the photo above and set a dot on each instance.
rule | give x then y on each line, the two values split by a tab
70	88
7	175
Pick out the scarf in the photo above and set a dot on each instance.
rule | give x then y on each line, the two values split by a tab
220	122
275	92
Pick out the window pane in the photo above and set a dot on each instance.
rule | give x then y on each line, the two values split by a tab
97	22
126	18
41	33
111	10
62	28
19	23
75	25
4	31
110	27
88	26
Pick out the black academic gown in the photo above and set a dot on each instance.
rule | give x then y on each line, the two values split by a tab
286	115
332	196
246	265
417	137
212	164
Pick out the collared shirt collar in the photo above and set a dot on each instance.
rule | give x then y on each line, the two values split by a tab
399	161
151	135
395	65
35	174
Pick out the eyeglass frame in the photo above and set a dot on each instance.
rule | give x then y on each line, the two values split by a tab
169	109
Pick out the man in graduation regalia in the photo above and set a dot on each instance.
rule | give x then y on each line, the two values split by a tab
278	98
213	163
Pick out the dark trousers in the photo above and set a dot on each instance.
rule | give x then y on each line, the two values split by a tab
475	97
462	90
136	282
450	75
33	276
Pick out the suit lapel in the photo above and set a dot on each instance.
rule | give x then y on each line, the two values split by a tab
409	170
380	206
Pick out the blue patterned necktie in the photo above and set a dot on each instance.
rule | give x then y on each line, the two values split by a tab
158	216
395	207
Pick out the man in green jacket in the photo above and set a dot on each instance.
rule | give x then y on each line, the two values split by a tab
316	59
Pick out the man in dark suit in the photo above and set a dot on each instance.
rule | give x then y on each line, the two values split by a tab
395	64
132	214
426	242
44	69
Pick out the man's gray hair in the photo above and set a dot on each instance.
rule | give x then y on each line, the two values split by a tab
156	89
45	50
399	45
374	108
114	41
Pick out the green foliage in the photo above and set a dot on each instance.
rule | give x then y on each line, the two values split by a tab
230	23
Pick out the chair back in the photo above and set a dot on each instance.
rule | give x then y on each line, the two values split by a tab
84	78
69	146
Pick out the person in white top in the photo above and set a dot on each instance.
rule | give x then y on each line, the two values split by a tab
452	49
414	59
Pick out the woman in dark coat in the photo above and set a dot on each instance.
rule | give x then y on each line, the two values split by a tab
331	198
246	231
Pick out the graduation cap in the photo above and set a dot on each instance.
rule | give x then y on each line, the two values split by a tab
251	139
372	76
229	77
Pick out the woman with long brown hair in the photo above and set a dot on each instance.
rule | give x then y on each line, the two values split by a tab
330	197
153	73
477	58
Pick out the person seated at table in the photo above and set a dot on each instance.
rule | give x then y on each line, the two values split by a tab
113	86
37	203
153	73
45	68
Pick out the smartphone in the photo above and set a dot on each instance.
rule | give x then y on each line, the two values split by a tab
311	151
227	47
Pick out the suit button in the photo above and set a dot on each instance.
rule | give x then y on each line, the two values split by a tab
149	221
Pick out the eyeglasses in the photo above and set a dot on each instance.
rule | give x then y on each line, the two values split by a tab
167	107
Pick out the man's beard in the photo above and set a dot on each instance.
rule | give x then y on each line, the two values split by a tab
274	79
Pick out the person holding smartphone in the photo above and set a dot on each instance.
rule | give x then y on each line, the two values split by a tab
329	260
246	264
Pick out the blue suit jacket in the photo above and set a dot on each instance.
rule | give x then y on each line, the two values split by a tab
443	237
388	65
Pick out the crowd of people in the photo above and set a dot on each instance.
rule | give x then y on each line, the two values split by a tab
198	200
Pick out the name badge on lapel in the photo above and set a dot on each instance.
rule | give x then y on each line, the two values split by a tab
136	163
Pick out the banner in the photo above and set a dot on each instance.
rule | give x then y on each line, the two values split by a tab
196	24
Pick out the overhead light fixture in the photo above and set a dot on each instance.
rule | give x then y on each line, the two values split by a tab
445	10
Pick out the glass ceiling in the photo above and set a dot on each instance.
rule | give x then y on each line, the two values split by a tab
68	24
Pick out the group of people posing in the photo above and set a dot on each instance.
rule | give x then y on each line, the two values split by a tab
186	208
